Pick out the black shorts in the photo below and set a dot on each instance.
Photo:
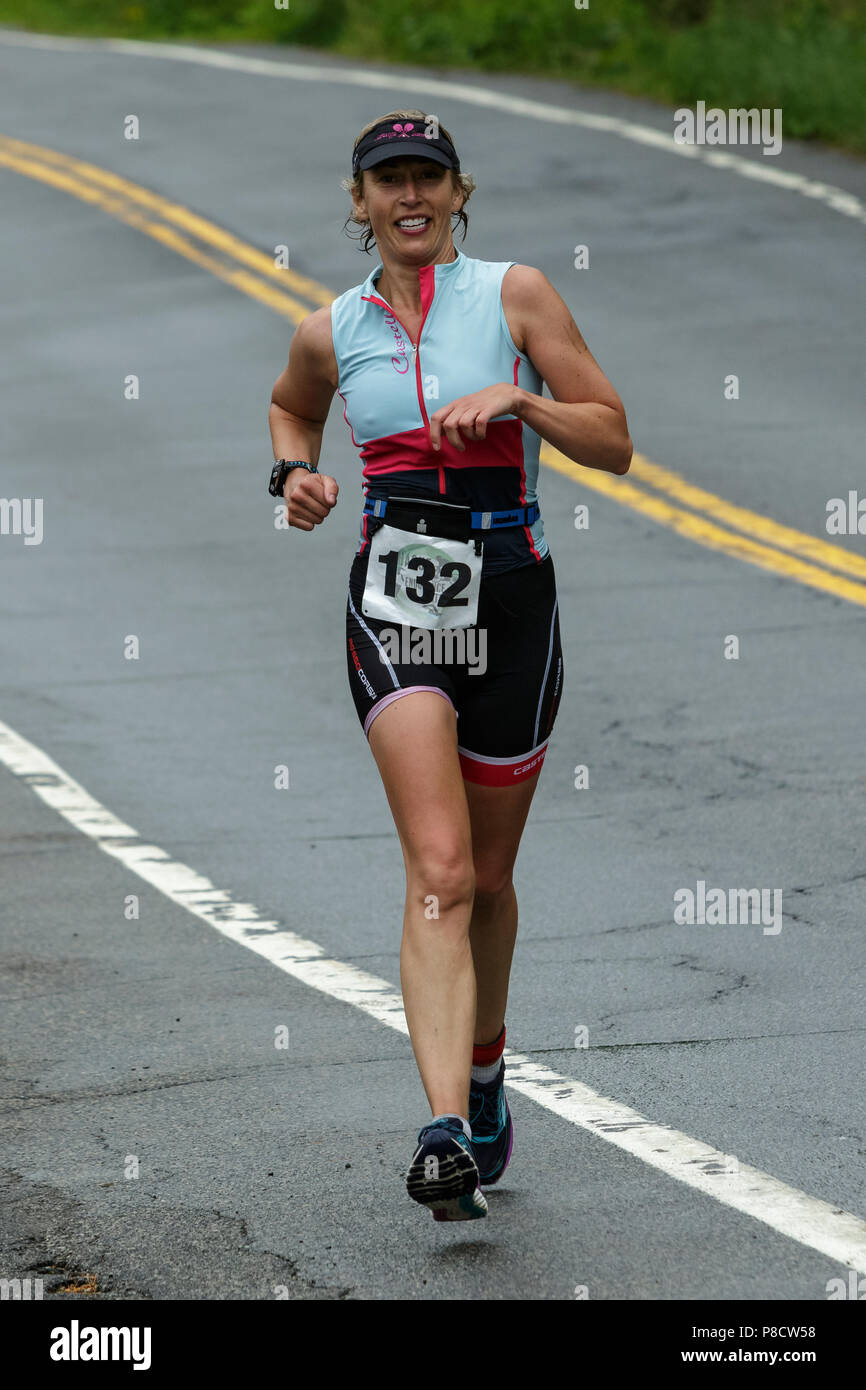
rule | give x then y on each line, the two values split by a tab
506	711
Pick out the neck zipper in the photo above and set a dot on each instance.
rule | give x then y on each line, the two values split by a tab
428	290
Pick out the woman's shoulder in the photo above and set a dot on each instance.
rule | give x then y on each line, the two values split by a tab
524	279
314	338
526	289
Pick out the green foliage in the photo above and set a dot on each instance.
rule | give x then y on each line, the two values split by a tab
806	56
317	23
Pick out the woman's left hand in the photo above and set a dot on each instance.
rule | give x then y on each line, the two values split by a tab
468	415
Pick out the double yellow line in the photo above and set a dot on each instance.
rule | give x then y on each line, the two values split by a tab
239	264
656	492
721	525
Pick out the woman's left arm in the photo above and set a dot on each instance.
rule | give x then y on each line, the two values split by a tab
585	420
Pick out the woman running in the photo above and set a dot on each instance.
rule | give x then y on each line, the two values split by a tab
453	647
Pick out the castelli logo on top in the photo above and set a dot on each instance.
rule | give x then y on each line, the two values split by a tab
400	344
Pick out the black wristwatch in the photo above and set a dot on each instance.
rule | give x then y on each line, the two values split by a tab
281	469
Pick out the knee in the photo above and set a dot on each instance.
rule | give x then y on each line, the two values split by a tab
492	883
442	878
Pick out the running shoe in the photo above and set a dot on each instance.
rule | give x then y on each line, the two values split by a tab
492	1130
443	1175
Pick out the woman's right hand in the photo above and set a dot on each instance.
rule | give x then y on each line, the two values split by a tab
309	498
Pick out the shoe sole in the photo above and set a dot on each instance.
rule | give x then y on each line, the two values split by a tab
454	1194
468	1208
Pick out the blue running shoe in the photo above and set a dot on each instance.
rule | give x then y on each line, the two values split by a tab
443	1175
492	1130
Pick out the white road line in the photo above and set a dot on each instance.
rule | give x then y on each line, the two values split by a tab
826	1228
833	197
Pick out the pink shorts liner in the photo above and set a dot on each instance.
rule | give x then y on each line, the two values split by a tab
398	694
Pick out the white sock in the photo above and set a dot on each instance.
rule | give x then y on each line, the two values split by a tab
484	1074
450	1116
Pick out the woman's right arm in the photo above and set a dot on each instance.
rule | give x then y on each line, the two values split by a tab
300	402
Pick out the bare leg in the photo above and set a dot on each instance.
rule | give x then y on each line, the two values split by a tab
414	742
497	817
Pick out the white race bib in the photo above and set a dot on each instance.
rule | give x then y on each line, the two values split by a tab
422	581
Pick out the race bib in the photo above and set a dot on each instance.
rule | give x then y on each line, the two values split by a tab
422	581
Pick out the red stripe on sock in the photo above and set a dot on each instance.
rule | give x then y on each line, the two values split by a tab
485	1054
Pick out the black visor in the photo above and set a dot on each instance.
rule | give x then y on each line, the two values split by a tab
399	139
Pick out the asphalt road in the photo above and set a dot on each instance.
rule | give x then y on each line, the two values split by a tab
154	1037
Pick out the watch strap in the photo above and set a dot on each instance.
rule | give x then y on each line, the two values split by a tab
280	471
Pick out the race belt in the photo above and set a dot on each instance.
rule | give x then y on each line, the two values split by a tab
478	521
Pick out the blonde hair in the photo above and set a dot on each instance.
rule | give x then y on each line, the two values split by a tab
465	182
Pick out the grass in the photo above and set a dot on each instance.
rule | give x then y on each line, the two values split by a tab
806	56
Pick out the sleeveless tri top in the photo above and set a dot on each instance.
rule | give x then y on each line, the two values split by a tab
390	387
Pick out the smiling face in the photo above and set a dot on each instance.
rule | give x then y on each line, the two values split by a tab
409	203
